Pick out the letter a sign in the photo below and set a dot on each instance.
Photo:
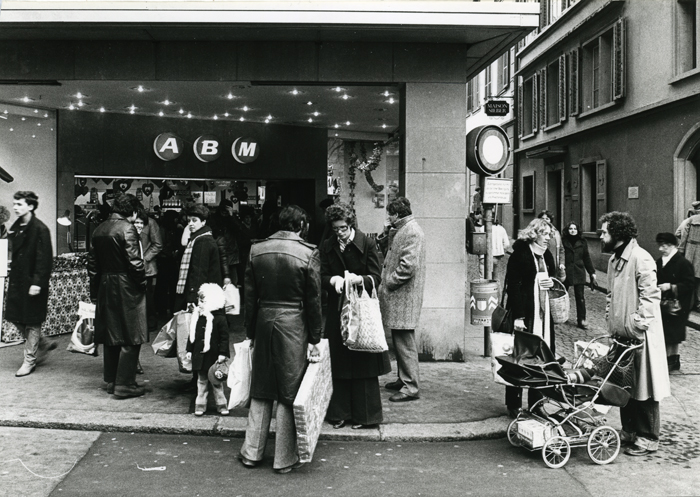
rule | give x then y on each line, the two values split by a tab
206	148
167	146
245	150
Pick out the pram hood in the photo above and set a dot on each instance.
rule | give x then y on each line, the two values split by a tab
532	364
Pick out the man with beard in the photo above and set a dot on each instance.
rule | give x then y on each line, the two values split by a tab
632	312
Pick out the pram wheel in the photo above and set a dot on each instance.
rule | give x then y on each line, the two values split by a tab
603	445
556	452
512	433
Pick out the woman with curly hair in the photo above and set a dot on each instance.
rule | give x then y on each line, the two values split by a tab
356	395
528	278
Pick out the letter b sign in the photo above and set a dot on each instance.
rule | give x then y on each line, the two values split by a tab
245	150
206	148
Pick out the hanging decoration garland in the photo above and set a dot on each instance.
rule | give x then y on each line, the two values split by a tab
352	168
371	164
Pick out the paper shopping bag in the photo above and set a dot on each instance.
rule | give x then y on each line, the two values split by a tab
239	375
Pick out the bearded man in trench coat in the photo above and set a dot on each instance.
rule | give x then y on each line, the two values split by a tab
633	311
283	322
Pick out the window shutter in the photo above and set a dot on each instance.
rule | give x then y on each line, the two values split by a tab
619	60
520	107
543	97
576	194
574	86
544	13
562	88
601	188
535	101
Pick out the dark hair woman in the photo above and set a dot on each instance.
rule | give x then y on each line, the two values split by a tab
578	263
356	395
675	279
528	277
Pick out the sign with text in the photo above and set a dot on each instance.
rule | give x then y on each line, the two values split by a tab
497	191
496	108
206	148
167	146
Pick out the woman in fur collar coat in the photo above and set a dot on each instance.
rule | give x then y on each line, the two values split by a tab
208	345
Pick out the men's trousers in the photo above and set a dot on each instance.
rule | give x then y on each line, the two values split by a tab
641	418
407	360
259	417
120	363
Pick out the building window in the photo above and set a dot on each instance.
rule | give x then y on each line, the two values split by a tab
529	193
687	22
601	70
554	93
527	106
473	102
589	193
487	83
503	76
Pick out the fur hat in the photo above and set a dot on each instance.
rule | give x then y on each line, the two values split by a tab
211	298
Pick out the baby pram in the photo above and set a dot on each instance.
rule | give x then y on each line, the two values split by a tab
566	417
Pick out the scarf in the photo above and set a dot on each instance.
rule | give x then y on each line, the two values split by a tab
185	264
541	324
345	244
207	327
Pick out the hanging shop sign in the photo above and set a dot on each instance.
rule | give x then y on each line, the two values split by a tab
206	148
488	150
245	150
496	108
168	146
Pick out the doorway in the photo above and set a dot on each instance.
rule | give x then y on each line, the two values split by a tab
555	193
686	173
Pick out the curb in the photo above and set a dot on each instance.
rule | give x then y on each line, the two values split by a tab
234	427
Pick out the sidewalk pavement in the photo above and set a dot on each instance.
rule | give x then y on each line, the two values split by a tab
459	401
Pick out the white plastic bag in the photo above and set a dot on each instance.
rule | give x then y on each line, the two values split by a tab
239	375
83	338
233	300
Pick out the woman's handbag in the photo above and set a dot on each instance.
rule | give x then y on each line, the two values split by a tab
361	320
239	375
83	339
501	318
671	307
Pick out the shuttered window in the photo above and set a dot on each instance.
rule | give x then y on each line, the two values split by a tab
602	68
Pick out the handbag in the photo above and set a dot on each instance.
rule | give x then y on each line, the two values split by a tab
364	331
671	307
501	318
82	340
239	375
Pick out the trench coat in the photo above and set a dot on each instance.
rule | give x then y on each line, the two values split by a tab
578	260
282	313
152	243
403	276
679	272
632	310
218	343
117	283
360	257
32	259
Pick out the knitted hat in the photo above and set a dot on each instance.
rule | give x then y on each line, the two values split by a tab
218	372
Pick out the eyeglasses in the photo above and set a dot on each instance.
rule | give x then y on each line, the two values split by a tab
339	229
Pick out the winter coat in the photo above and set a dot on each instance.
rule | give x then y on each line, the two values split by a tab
520	280
282	313
152	244
32	259
679	272
689	246
218	343
578	260
556	247
205	266
632	310
117	283
360	257
403	276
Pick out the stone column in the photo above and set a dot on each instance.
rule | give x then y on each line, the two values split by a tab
435	182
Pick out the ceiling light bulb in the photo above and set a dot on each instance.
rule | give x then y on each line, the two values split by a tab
133	107
71	106
230	96
33	136
391	100
383	125
336	134
160	113
46	115
345	96
336	125
102	109
131	111
347	123
216	117
267	121
242	119
245	108
309	102
24	119
316	113
80	104
36	111
295	92
226	114
189	115
5	111
140	89
79	95
166	102
26	99
311	120
12	129
338	89
38	124
181	111
269	116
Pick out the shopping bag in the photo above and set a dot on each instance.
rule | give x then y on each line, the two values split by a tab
82	341
501	345
164	344
182	324
366	333
239	375
233	300
311	403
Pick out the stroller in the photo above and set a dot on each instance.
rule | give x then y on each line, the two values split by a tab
566	416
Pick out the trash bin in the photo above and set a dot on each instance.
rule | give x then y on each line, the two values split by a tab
483	300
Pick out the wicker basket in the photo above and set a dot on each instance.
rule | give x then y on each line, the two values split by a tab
559	302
